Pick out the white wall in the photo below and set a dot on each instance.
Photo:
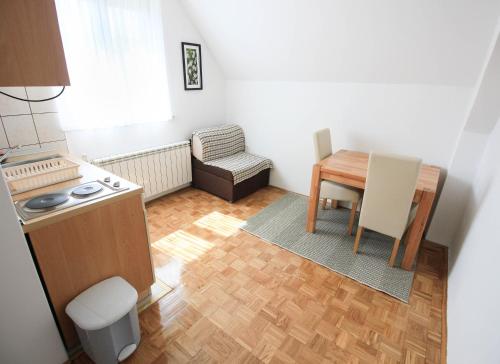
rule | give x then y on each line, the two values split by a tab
473	290
279	118
192	109
482	114
467	216
452	201
28	333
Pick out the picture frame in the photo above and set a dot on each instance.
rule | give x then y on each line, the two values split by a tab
192	66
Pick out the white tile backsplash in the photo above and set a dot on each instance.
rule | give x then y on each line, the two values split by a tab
27	149
4	143
20	130
59	147
10	106
38	93
48	127
35	124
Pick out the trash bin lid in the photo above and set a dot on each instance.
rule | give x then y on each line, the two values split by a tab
102	304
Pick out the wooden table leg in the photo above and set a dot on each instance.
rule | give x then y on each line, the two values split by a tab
417	229
312	210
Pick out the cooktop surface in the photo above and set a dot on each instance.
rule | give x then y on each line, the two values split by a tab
49	203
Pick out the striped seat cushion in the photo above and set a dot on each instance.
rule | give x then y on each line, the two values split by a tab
242	165
218	142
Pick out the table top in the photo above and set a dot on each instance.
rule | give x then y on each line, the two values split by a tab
353	165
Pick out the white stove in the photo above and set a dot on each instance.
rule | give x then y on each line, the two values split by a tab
48	203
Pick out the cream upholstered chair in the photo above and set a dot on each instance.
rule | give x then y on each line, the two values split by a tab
331	190
387	201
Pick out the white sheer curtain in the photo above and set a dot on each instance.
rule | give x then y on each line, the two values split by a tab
116	61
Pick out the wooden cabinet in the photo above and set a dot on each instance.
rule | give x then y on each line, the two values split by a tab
75	253
31	50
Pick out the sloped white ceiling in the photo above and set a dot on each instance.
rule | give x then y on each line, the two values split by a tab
386	41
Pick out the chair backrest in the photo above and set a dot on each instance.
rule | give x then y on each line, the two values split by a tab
389	190
322	144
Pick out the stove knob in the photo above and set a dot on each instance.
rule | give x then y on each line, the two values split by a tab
107	179
116	184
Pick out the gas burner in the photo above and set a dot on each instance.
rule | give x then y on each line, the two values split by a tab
87	189
47	201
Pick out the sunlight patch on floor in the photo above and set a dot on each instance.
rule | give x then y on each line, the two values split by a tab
158	290
170	272
182	245
219	223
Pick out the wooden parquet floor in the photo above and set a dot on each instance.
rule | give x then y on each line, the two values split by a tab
238	299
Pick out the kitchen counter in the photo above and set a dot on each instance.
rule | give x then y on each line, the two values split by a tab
79	246
89	173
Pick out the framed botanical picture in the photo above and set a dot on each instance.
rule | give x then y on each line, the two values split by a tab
191	62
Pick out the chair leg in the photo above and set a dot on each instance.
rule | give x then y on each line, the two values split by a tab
395	249
351	217
323	203
358	238
405	236
335	204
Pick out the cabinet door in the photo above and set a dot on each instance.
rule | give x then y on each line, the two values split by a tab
82	250
31	50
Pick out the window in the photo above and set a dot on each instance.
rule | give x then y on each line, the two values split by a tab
116	61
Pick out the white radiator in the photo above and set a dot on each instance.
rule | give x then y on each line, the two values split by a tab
159	170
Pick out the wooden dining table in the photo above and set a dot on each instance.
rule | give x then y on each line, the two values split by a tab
349	168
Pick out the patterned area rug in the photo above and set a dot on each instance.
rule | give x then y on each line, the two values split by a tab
283	223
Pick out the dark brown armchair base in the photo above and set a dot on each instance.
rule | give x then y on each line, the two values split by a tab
219	182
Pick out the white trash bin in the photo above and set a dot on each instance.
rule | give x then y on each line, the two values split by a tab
105	317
